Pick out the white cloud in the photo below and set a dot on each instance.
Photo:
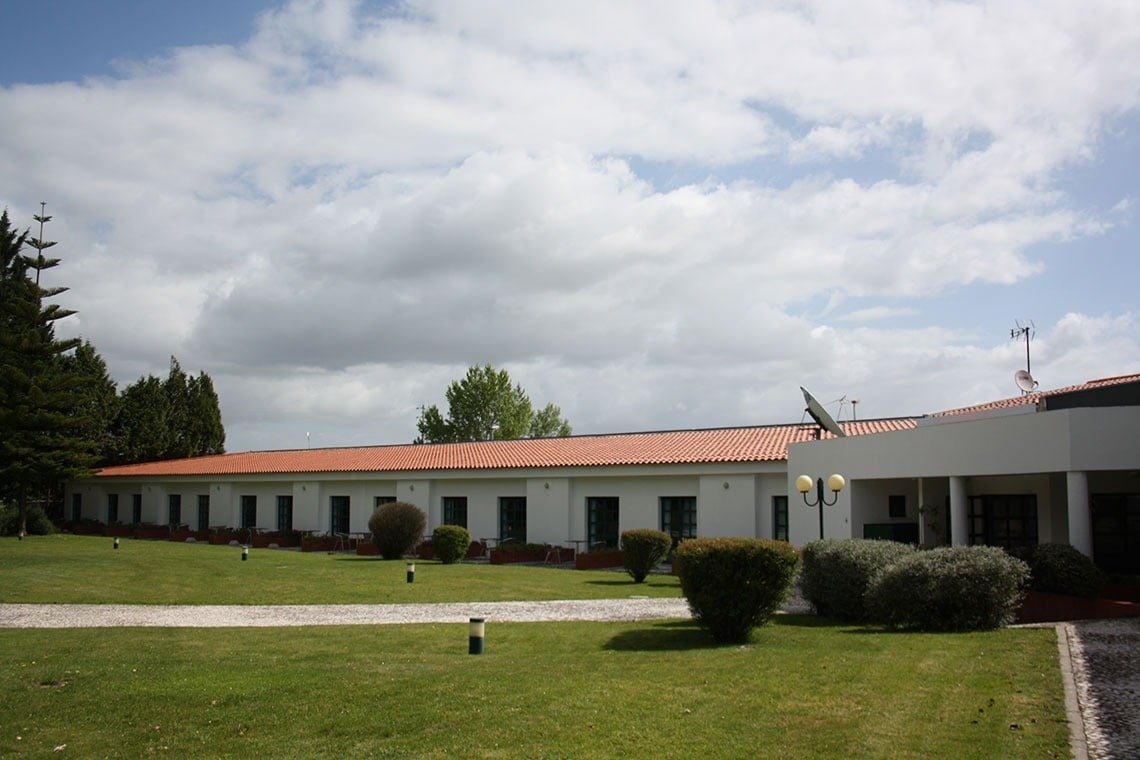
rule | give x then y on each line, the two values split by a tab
337	217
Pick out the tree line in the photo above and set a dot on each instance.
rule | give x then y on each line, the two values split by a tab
60	413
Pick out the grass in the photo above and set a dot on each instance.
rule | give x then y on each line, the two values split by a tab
555	690
85	569
803	688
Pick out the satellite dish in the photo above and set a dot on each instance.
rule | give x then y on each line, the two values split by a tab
1024	381
820	415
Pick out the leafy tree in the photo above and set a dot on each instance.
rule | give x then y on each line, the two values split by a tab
142	428
484	406
99	398
42	411
168	419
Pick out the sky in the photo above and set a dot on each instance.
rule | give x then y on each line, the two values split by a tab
655	215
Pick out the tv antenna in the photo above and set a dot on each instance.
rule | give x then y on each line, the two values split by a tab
820	415
1024	377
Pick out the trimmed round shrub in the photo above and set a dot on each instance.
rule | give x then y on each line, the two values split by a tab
36	519
642	549
450	543
959	588
734	585
396	528
1062	569
837	572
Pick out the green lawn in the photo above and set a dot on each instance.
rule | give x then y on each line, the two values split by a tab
804	688
86	569
557	690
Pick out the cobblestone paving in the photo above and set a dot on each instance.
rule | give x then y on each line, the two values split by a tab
1106	667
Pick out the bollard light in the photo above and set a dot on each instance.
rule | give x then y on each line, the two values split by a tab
411	572
475	636
116	542
20	536
244	553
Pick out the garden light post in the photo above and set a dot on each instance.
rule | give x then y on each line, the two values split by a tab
411	572
835	483
475	630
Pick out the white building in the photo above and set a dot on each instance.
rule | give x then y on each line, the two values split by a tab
1052	466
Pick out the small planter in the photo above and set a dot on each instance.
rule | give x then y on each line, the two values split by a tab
597	560
424	550
318	543
223	537
184	535
365	548
152	532
1040	607
120	531
88	529
509	556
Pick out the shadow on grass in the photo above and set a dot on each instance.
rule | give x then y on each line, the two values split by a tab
671	635
679	635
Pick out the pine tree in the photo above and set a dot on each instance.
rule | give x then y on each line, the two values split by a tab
41	404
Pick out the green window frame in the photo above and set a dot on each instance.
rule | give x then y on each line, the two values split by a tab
340	512
248	511
679	517
454	510
112	508
285	512
174	509
203	511
136	508
780	518
1005	520
602	521
512	519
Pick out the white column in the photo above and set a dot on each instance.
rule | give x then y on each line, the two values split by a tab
1080	517
959	529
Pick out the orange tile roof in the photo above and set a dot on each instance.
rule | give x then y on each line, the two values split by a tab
1033	398
722	445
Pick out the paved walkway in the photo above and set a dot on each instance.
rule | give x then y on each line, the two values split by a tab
1100	659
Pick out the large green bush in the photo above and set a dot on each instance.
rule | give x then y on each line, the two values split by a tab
1062	569
959	588
642	549
396	527
837	572
38	523
734	585
450	542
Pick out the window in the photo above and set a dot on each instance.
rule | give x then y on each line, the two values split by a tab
679	517
382	500
248	511
896	505
174	509
136	508
1116	532
112	508
338	514
780	518
602	521
203	511
76	507
512	518
285	513
455	511
1005	521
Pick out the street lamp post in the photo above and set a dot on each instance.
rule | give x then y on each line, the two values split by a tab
804	485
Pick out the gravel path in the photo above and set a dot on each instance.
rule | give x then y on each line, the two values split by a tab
215	616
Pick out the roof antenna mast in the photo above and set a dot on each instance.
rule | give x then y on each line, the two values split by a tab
1024	377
